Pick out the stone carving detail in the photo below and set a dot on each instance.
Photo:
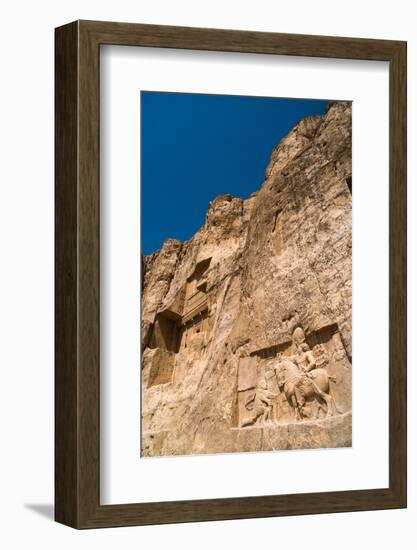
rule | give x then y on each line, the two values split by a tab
258	394
299	385
339	352
321	357
298	376
260	404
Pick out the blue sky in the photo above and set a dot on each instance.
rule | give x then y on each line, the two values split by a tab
196	146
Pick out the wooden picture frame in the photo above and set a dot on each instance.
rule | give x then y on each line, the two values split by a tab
77	382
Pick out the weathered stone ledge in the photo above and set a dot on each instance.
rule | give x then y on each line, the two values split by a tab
327	433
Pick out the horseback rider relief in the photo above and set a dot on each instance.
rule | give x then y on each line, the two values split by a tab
300	379
296	384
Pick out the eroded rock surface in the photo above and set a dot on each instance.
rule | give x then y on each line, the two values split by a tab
246	328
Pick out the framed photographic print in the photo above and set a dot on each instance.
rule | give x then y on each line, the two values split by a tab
230	274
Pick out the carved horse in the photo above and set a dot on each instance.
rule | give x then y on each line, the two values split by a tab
299	386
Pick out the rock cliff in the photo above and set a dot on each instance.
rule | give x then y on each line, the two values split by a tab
246	327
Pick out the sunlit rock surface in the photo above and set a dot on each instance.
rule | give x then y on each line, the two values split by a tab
246	327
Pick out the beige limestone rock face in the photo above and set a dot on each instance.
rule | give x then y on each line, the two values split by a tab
246	327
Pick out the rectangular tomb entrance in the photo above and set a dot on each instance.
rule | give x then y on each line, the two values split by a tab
182	327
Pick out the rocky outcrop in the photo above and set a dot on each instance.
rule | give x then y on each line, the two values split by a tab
246	328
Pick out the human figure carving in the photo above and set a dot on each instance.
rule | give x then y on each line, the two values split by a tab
321	356
261	403
339	352
306	362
